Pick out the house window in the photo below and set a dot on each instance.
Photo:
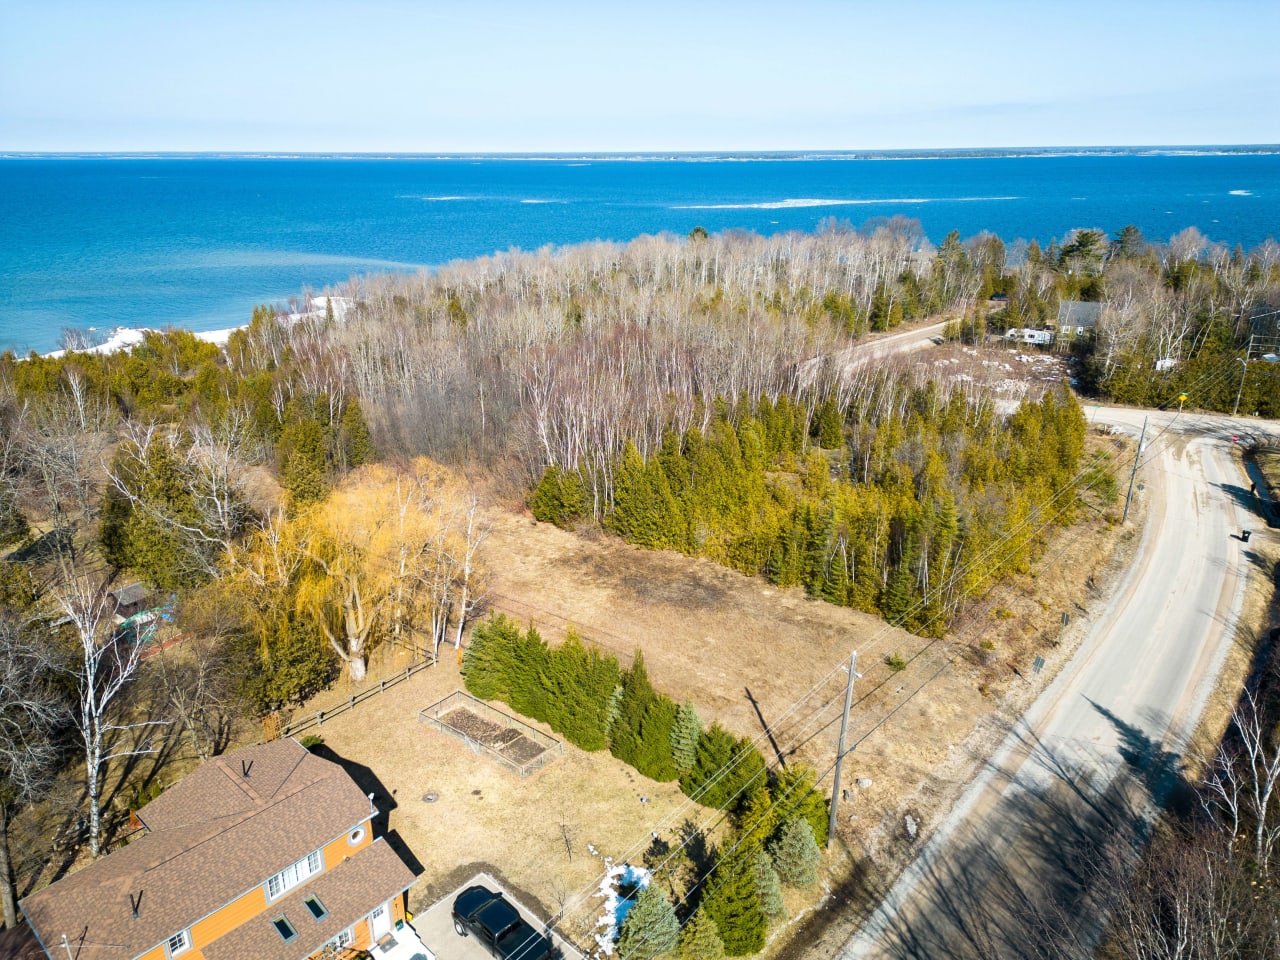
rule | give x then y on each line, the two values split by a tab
343	939
180	942
284	928
355	836
316	907
294	874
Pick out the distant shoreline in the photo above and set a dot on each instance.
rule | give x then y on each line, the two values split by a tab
125	338
689	156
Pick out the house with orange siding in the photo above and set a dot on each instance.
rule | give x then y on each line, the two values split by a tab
265	853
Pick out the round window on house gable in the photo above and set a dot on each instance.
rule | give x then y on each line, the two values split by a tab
355	836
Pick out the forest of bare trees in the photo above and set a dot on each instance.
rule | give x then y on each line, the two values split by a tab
313	489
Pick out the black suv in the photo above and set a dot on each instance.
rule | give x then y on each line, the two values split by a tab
498	925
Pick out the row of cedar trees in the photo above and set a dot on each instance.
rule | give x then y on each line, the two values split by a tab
780	821
890	505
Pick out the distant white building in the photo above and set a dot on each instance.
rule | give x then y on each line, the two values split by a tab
1026	335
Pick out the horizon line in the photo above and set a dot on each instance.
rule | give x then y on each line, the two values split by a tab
786	153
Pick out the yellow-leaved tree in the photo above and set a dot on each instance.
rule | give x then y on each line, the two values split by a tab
389	553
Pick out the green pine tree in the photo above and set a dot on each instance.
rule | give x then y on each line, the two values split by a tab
354	444
653	757
488	657
795	853
650	928
732	902
684	737
768	887
583	681
560	497
724	771
304	469
626	733
700	940
796	795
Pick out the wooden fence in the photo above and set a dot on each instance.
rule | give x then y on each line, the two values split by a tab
317	719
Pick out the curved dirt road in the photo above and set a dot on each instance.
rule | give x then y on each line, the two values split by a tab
1007	871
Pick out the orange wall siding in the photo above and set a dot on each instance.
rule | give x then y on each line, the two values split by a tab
235	913
338	850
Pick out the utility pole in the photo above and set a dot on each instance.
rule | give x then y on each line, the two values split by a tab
1243	371
1134	475
844	728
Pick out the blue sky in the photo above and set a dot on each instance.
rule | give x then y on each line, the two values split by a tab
394	75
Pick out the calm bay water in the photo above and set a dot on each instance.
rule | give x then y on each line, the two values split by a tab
197	241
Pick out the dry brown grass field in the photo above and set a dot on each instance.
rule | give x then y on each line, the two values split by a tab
711	635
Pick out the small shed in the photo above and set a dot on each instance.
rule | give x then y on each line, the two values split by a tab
130	599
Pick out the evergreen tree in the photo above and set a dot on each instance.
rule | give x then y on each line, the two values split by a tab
560	497
724	770
650	928
768	888
795	853
13	525
828	426
758	818
113	529
529	677
581	684
653	758
700	940
626	733
487	659
684	737
796	795
354	445
732	902
304	472
614	710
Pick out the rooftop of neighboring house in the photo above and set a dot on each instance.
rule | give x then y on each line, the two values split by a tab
130	594
210	838
1078	313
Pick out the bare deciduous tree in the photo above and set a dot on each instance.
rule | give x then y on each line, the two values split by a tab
103	669
31	709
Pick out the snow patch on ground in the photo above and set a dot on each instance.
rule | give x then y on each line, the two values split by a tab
617	878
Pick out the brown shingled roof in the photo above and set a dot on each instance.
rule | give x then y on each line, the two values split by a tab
349	892
211	837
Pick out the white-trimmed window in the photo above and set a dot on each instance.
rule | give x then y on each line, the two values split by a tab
355	836
294	874
180	942
343	939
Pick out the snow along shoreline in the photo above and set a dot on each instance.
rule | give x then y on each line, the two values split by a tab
126	338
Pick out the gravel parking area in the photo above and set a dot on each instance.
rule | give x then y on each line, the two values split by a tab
435	926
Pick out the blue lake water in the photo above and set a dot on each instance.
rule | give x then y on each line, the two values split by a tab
197	241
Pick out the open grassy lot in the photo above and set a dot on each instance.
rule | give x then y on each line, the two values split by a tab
533	833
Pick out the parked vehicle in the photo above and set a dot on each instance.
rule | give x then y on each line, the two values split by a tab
498	925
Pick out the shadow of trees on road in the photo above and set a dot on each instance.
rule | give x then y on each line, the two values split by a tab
1040	883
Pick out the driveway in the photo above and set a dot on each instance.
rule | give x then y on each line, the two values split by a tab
435	926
